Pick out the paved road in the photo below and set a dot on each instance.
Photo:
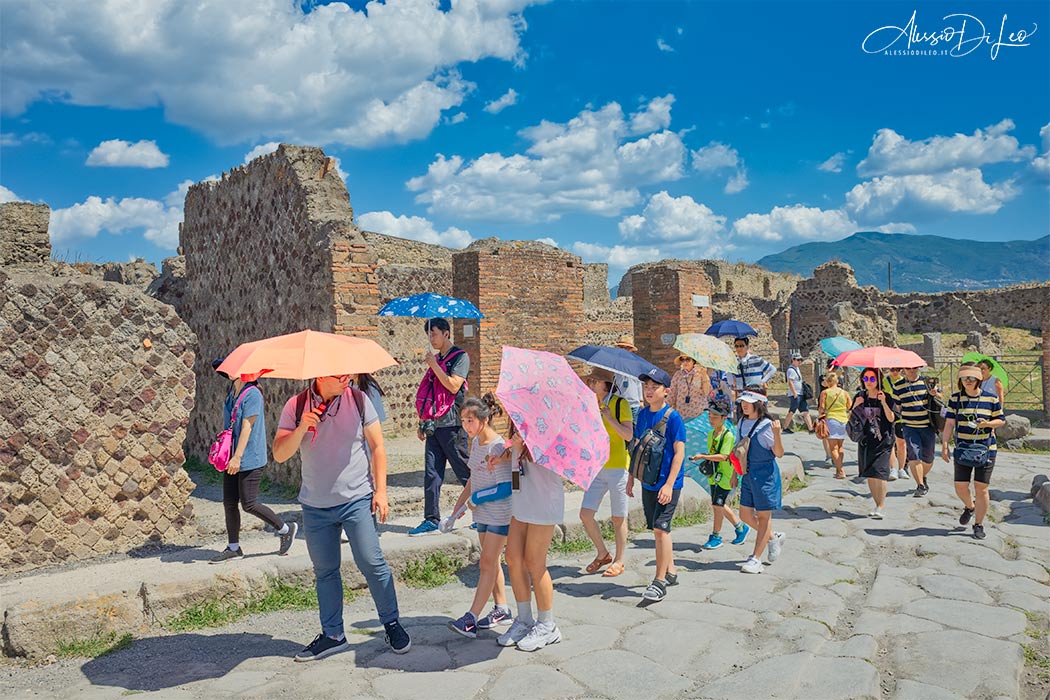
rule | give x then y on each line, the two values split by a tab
909	607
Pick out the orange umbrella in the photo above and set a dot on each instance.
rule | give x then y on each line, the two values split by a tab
306	355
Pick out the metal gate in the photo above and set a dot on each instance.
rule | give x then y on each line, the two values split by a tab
1024	371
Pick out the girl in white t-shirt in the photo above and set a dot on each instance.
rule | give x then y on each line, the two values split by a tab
538	505
488	490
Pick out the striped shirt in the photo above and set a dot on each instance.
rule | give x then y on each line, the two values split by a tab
966	410
752	371
915	399
481	477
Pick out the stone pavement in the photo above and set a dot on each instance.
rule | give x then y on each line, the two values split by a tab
910	607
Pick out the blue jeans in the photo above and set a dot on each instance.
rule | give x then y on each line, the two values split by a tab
321	527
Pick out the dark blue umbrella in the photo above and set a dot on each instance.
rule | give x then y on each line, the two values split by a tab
430	305
613	359
731	328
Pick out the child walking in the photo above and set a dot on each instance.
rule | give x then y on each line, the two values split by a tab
760	488
538	505
659	500
489	490
720	443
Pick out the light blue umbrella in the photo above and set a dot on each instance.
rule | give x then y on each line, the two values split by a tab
430	305
696	431
836	345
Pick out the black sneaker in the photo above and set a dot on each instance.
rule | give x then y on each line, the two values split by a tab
978	531
287	538
787	431
919	493
966	515
397	637
925	488
226	555
672	579
322	646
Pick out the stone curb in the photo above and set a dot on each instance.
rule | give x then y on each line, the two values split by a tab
136	596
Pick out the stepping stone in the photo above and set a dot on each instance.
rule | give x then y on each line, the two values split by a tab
968	664
955	588
801	675
621	674
540	682
972	617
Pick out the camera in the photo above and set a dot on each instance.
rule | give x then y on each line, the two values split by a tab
427	427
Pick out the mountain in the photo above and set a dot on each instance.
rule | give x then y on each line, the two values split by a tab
923	263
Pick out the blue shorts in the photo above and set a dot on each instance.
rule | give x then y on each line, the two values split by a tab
760	487
501	530
798	404
920	443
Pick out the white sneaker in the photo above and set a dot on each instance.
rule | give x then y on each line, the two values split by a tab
876	514
517	632
775	546
828	462
542	634
894	474
752	566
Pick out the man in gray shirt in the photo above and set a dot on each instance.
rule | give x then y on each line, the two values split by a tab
334	429
443	436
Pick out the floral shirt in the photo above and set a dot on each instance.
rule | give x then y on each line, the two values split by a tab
688	394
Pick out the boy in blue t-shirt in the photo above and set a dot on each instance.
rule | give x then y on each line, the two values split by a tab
660	499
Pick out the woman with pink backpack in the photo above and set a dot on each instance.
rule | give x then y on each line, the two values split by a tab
243	415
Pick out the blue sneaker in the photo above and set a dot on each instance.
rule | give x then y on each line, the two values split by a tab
498	616
714	541
424	528
741	533
473	526
466	626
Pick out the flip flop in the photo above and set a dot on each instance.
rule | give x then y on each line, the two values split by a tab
615	569
598	563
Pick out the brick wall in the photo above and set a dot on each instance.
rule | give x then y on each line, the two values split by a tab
531	295
271	248
662	299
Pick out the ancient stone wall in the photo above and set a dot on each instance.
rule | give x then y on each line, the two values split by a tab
866	317
757	313
137	273
98	385
596	286
531	295
391	250
271	248
170	286
729	278
23	233
604	325
1018	306
663	307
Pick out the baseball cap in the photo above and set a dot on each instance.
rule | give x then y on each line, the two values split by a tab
719	407
656	375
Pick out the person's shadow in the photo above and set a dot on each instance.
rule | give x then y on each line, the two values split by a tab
157	663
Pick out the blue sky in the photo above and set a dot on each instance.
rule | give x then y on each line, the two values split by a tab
621	131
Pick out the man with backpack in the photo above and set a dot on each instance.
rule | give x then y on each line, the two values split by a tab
656	460
799	393
334	429
438	400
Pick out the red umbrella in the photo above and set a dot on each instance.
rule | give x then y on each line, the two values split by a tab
879	357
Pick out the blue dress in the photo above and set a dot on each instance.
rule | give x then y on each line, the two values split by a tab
760	487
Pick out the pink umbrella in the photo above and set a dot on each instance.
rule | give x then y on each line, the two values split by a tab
879	357
555	412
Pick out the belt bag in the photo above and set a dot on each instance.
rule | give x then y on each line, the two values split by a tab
973	455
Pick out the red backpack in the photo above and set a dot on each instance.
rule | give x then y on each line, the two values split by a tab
433	400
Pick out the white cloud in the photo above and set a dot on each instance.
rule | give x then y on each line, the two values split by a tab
124	154
664	46
892	154
415	228
160	223
618	257
589	164
262	149
548	241
833	164
260	69
717	156
795	223
458	118
668	218
909	197
9	139
7	195
508	99
1041	164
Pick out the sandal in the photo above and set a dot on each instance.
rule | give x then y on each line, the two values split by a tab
840	475
615	569
598	563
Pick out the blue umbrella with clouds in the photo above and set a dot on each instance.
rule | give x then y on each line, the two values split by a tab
430	305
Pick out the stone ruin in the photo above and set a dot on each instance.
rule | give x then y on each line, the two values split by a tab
98	385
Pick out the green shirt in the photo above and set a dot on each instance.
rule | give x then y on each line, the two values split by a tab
723	445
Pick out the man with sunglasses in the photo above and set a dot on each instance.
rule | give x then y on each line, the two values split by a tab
335	430
752	370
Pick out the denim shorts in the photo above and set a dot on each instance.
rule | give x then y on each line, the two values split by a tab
920	443
798	404
501	530
760	488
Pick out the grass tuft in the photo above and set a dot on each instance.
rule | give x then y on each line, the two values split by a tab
695	517
573	545
431	571
100	645
796	484
278	596
845	580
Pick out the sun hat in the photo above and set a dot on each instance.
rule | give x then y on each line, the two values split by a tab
682	358
753	397
970	372
626	342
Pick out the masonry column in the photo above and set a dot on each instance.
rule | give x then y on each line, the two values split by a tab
531	295
1046	361
663	308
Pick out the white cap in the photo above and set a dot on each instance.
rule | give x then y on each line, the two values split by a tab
752	397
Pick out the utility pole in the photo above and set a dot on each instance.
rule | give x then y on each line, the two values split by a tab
889	275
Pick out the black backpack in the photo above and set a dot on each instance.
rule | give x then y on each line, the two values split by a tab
647	452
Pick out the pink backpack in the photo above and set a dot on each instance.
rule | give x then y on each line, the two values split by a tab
433	400
222	446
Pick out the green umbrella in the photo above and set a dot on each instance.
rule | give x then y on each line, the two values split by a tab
997	369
